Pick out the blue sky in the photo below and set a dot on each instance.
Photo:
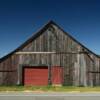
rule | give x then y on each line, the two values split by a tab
19	19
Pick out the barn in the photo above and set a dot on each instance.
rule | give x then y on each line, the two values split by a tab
50	57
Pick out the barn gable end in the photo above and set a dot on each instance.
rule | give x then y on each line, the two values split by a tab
52	46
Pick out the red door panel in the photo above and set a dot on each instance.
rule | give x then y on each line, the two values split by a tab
57	75
36	76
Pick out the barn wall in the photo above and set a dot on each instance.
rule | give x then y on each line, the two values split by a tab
8	70
76	66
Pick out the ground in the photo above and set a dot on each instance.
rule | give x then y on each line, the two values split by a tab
49	93
49	96
70	89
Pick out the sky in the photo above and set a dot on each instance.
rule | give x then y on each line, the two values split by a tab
20	19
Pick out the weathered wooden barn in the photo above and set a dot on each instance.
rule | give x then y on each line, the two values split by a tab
50	57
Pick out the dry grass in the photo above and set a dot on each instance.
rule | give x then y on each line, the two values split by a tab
50	88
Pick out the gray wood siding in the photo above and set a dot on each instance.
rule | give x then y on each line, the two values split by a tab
77	67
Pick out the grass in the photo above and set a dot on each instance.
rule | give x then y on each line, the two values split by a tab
50	88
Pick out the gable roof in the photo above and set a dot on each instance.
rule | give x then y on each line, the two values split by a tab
38	34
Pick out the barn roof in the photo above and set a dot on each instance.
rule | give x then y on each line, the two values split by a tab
38	34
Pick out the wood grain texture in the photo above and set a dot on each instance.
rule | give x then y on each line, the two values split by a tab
77	66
